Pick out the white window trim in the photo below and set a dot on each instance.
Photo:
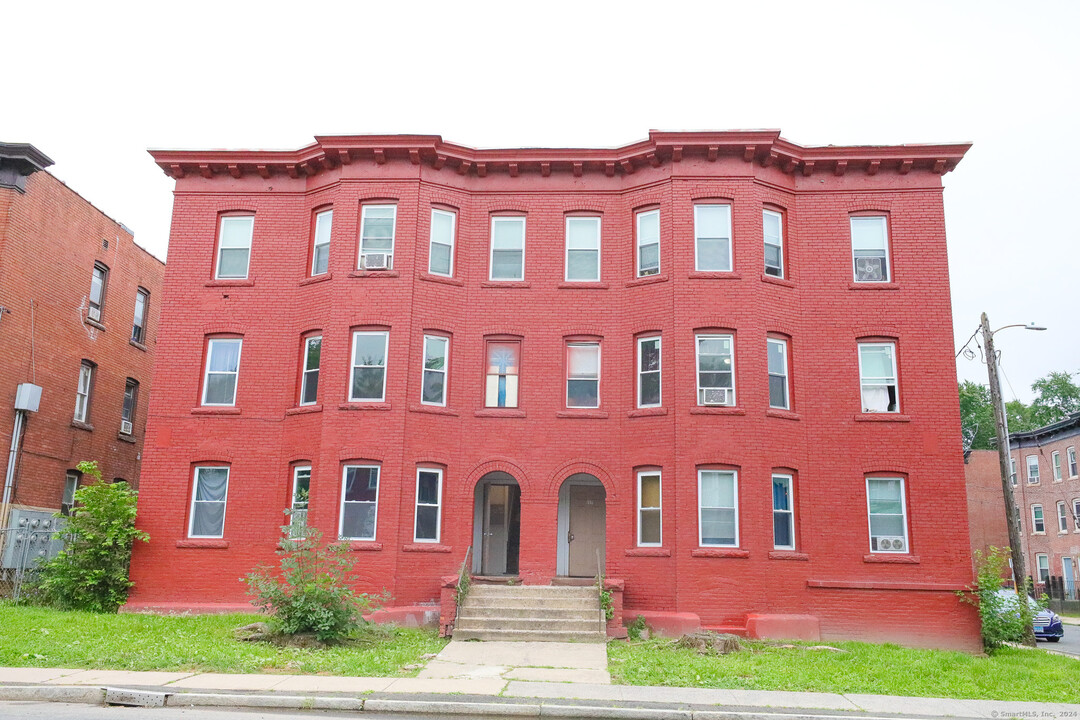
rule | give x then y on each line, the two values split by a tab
1012	471
139	320
1076	514
85	370
903	509
385	366
393	235
659	371
697	367
783	343
790	511
888	260
1055	465
1038	471
730	237
206	371
424	369
1063	516
780	219
566	249
638	245
341	503
292	498
452	243
315	244
224	503
304	370
1038	567
438	505
735	480
599	366
96	308
640	475
250	242
1035	521
863	377
491	247
1070	456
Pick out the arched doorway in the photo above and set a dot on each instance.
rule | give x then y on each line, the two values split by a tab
496	525
582	526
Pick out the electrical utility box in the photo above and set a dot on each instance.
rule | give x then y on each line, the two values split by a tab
29	539
27	397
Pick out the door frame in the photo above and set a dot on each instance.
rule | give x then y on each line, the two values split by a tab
496	477
562	546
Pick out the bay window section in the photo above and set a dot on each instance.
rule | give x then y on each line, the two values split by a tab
309	384
877	376
503	363
712	238
582	249
718	508
441	250
368	380
507	248
377	237
298	506
650	520
870	248
648	243
359	502
648	366
583	375
715	370
320	251
778	374
433	391
773	228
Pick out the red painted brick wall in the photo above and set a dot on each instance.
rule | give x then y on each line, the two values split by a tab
50	238
824	440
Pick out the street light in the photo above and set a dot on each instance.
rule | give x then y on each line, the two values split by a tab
1001	427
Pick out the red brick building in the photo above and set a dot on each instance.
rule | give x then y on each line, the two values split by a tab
719	363
986	510
79	319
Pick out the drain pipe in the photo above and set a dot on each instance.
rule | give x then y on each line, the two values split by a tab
9	478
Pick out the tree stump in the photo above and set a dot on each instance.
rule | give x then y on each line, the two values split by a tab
707	642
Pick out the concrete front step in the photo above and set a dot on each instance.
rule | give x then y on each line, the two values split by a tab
528	635
546	625
541	613
560	604
546	592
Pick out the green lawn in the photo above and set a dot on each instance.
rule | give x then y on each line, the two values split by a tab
40	637
1009	674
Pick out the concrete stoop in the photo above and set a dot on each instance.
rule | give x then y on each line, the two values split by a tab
538	613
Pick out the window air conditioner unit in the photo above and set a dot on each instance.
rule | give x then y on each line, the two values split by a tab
717	396
870	269
892	544
376	261
125	427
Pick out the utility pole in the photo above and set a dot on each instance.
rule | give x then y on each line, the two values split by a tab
1018	564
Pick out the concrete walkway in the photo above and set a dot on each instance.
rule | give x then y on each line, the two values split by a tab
561	662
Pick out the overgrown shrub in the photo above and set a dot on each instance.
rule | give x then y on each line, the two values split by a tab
311	593
1006	616
91	572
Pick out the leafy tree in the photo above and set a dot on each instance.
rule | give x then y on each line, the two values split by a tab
1006	616
91	572
1019	416
977	415
1056	397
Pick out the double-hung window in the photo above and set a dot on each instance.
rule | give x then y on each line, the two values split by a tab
648	243
359	502
887	511
298	506
783	513
718	508
1070	453
320	247
1038	524
138	325
71	484
648	367
441	252
82	392
582	249
234	246
1033	469
583	375
1063	517
870	248
377	237
773	228
368	381
208	502
650	510
436	357
309	383
222	371
127	411
507	248
778	373
97	292
715	370
428	505
1076	515
1055	462
877	376
503	365
1012	471
1042	562
712	238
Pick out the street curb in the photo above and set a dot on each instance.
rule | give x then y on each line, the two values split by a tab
54	693
449	707
285	702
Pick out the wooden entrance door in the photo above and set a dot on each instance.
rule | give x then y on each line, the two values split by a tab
588	518
496	529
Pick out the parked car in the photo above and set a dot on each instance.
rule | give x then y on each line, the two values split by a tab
1047	624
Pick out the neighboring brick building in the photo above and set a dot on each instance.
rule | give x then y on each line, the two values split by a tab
71	279
550	355
986	510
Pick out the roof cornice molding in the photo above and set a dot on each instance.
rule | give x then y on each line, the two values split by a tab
764	147
27	158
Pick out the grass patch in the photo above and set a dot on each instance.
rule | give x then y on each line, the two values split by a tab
1009	674
42	637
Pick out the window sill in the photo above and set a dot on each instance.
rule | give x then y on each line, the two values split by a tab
215	411
374	273
783	414
432	410
646	412
788	555
230	282
124	437
898	559
647	280
304	409
648	552
518	284
500	412
427	547
428	277
882	417
314	279
873	286
584	285
137	344
209	543
720	553
359	405
82	425
702	410
94	323
772	280
594	414
364	545
703	275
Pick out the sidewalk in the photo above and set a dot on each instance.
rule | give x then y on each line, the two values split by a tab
495	696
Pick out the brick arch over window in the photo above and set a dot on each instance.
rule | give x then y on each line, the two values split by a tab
872	469
465	490
580	465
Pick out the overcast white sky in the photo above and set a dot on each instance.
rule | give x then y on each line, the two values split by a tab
95	84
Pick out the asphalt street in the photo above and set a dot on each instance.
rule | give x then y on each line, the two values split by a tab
65	711
1069	644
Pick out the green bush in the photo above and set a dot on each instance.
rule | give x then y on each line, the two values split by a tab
311	593
1005	617
91	572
